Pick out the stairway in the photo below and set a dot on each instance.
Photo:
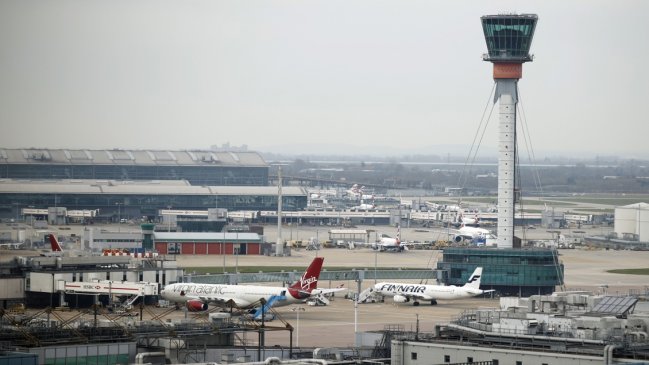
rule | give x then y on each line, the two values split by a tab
365	295
269	304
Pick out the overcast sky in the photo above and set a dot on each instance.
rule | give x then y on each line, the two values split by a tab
315	76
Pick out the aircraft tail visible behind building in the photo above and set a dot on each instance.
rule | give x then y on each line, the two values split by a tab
56	247
474	279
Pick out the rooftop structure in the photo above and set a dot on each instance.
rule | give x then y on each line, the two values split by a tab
200	167
562	328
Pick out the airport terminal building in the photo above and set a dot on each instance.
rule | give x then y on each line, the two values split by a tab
132	184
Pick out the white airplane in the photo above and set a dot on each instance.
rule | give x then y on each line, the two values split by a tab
12	245
197	297
357	192
476	235
365	206
403	293
471	222
390	244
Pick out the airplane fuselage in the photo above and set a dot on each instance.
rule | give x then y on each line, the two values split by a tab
426	292
241	295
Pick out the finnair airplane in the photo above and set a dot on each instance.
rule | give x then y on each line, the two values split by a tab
197	297
403	293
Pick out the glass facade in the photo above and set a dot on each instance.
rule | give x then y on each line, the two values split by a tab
509	37
508	271
196	175
138	205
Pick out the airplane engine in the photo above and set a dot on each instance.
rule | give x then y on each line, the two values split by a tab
458	239
196	306
400	299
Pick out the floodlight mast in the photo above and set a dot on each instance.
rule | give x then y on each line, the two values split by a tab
508	38
279	246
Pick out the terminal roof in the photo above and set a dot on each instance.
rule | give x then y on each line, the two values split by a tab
130	157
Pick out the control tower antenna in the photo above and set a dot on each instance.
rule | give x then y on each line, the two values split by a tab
508	38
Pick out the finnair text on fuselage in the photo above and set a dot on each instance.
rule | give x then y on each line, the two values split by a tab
400	288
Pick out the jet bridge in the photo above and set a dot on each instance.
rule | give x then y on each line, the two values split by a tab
132	291
108	287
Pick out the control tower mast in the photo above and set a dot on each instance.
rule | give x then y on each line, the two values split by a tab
508	38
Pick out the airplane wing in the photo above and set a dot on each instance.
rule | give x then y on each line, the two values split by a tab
326	291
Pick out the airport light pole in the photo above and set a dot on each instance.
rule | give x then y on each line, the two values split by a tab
355	317
376	255
119	216
169	219
297	311
235	251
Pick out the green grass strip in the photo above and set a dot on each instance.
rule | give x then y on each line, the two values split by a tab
256	269
630	271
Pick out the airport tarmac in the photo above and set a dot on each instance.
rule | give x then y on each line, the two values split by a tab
333	325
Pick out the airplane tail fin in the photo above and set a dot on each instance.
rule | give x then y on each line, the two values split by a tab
474	279
56	247
309	280
398	234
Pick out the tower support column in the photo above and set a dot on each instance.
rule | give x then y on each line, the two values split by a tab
506	95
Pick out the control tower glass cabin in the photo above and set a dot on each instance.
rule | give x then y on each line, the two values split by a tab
509	37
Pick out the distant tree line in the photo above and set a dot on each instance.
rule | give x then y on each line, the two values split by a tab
628	176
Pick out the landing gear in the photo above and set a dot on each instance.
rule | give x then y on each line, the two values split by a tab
415	303
433	302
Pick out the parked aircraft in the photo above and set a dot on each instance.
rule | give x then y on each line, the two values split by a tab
390	244
57	251
403	293
466	221
476	235
197	297
12	245
357	192
365	206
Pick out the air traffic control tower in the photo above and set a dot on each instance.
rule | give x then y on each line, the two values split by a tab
508	269
508	40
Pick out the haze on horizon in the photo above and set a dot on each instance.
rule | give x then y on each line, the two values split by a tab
330	77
